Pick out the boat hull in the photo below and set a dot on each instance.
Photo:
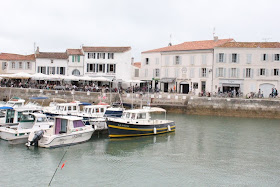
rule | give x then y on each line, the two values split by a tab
120	130
64	140
14	137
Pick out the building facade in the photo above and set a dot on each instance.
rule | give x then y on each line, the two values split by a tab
247	67
15	63
182	68
75	62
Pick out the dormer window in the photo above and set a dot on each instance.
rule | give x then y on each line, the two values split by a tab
52	61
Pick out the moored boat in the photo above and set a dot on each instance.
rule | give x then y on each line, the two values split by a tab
67	130
138	122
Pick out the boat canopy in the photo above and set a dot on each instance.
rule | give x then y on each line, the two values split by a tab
146	109
6	108
37	98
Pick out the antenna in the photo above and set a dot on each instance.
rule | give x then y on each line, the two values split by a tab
170	38
34	47
214	32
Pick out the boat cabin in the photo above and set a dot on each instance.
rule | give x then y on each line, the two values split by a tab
141	114
16	102
94	111
68	108
17	115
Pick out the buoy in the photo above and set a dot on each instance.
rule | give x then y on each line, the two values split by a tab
155	130
168	127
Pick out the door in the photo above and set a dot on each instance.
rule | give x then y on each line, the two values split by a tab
165	87
185	88
203	86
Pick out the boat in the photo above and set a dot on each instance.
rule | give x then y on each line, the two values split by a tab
15	102
67	130
72	108
28	122
116	110
138	122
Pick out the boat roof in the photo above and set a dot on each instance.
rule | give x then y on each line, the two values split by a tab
146	109
39	115
72	118
68	104
5	108
96	106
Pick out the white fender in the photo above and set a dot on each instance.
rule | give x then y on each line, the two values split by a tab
168	128
155	130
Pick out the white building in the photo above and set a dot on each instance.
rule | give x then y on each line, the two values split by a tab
110	62
51	63
15	63
247	67
75	62
181	68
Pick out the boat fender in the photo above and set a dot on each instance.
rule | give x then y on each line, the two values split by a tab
155	130
168	127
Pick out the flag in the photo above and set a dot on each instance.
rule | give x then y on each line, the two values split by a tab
62	166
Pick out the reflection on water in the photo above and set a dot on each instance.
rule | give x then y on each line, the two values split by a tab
204	151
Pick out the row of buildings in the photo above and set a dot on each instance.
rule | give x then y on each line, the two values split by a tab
218	65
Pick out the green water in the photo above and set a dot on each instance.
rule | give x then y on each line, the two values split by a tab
204	151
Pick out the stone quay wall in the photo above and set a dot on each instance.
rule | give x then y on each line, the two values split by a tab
173	103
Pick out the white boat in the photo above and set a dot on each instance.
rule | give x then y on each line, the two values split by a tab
72	108
138	122
28	122
67	130
15	102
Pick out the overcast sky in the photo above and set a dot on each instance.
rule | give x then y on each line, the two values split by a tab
145	24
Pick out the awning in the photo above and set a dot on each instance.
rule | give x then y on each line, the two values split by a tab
167	80
231	85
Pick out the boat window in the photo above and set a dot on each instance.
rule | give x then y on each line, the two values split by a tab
133	116
42	119
27	118
141	116
78	123
63	126
97	110
127	115
102	110
10	116
74	107
57	107
69	108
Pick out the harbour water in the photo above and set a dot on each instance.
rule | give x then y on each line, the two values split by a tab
204	151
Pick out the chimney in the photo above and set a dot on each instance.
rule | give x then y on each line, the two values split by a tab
132	60
216	38
37	50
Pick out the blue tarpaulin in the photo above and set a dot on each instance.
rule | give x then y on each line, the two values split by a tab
5	108
85	103
38	98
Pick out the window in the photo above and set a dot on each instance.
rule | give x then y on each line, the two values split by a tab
234	57
91	55
220	72
192	60
248	72
20	65
203	72
195	85
264	57
277	57
110	55
166	60
136	73
233	72
262	71
147	61
13	65
52	61
203	58
177	60
4	65
157	60
42	69
249	58
146	72
111	68
221	57
101	68
61	70
90	67
51	70
166	72
276	72
75	72
75	58
28	65
156	72
176	72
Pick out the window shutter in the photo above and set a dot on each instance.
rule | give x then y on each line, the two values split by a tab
174	60
225	72
94	68
238	72
48	70
154	73
207	72
87	67
272	72
252	73
88	55
103	68
217	58
229	72
79	58
114	68
217	73
180	60
38	69
97	68
30	65
237	60
107	68
244	75
230	55
266	72
225	58
72	58
272	58
267	57
258	74
262	57
57	70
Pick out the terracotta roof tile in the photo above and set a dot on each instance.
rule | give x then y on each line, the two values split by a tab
106	49
74	52
251	45
9	56
137	64
52	55
194	45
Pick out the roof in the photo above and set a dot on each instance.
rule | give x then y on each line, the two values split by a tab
251	45
74	52
137	64
146	109
52	55
9	56
73	118
106	49
194	45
